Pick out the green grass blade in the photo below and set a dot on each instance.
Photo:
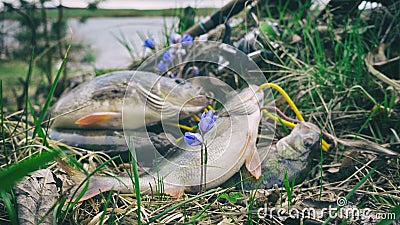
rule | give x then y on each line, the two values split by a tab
374	111
103	215
12	214
321	160
57	213
365	93
35	119
125	43
285	128
198	214
50	96
3	133
136	179
182	203
27	83
288	188
10	175
252	197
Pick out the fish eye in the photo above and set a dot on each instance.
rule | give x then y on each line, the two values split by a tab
308	142
179	81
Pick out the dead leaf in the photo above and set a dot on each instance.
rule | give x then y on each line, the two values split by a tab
36	195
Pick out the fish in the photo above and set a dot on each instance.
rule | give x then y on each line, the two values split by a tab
230	144
113	143
141	96
292	154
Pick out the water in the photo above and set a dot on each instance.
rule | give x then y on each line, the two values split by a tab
102	35
132	4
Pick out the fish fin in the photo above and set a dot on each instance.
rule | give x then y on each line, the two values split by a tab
85	188
175	192
95	186
253	163
97	118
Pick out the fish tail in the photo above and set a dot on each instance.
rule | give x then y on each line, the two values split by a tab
76	178
147	184
84	187
87	187
153	185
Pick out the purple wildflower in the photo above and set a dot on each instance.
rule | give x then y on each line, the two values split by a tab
187	39
162	66
167	56
174	38
196	70
149	43
193	139
207	121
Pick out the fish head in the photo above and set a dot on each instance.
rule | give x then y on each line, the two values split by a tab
246	102
304	138
307	135
178	95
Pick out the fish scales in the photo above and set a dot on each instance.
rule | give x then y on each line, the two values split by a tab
218	152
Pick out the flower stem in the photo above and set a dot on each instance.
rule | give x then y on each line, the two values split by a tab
203	158
202	168
205	166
